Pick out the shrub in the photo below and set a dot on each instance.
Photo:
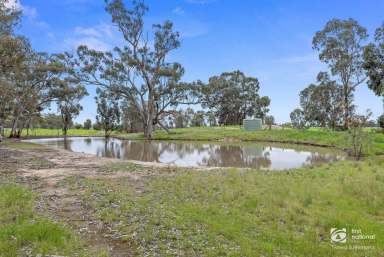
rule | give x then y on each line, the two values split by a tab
358	139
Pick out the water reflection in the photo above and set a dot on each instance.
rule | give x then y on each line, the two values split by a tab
253	155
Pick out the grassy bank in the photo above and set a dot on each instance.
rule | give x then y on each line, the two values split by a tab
23	233
58	132
245	213
309	136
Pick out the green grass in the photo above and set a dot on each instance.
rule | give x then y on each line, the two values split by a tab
23	233
246	213
58	132
18	145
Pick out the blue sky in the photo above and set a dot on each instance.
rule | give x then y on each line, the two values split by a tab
267	39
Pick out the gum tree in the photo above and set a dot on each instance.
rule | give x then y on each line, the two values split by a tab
108	112
68	103
231	96
374	63
340	46
139	72
262	109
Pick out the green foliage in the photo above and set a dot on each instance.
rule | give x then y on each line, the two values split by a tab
108	111
231	96
322	104
198	119
87	124
262	105
119	71
50	121
298	119
340	46
374	63
380	121
68	102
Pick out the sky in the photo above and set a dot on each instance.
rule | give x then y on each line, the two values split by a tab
267	39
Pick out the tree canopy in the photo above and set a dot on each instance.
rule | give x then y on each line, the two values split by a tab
340	45
138	72
231	96
374	63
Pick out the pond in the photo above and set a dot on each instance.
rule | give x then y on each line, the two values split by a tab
196	154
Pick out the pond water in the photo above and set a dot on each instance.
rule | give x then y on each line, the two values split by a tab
191	153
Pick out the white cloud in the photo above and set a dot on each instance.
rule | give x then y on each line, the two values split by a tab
29	12
91	42
100	37
178	11
92	32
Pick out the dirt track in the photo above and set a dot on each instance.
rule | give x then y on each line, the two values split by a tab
44	169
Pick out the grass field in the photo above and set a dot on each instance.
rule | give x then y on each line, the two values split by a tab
245	213
23	233
58	132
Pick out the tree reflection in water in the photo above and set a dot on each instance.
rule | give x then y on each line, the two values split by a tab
252	155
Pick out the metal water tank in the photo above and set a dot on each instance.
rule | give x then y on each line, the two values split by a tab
252	124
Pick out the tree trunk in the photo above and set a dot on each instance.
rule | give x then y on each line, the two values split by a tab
346	108
148	126
14	127
148	129
65	130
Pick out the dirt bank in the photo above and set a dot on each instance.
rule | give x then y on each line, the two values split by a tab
44	170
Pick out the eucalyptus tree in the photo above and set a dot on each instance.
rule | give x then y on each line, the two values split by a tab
26	77
212	119
322	103
374	63
9	57
87	124
33	86
198	119
108	112
298	119
139	72
68	97
130	118
340	46
262	104
231	96
269	121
